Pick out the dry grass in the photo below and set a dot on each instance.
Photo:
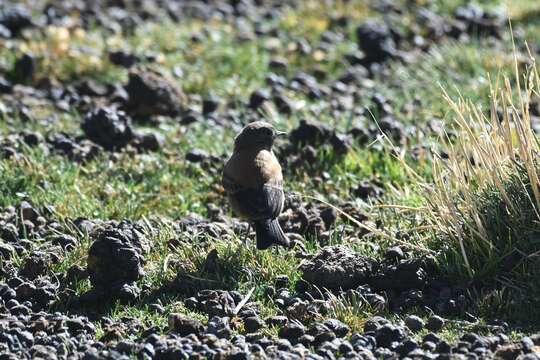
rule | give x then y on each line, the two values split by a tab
485	198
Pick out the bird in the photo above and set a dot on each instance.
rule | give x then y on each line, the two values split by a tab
253	181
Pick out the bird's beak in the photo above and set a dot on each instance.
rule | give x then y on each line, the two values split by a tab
280	133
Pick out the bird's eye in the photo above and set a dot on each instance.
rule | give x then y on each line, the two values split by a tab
268	131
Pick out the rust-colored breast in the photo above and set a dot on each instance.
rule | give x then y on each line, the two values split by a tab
252	169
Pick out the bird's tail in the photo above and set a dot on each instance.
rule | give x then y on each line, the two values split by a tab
269	232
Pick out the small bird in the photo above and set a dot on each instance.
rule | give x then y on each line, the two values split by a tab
253	181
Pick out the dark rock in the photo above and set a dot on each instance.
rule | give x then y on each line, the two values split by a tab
391	127
5	86
429	346
341	143
66	242
126	293
389	336
35	265
24	67
28	212
435	323
108	128
210	264
310	133
6	292
7	152
31	138
115	256
306	340
432	338
404	276
149	141
407	346
375	323
15	18
329	216
323	337
196	156
479	22
184	325
220	327
394	253
216	302
278	64
435	25
210	105
339	328
253	324
292	331
91	88
6	251
283	104
336	267
376	41
443	347
75	273
277	320
121	58
509	351
281	281
414	323
257	98
153	94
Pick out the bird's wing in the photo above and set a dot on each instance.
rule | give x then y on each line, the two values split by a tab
265	202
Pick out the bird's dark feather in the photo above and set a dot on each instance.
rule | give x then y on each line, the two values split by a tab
263	203
268	233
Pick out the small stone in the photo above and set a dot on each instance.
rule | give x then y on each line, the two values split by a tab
24	68
123	59
282	281
338	327
394	253
15	18
375	40
443	347
196	156
431	337
31	138
414	323
184	325
292	330
210	105
283	104
253	324
257	98
277	320
310	133
108	128
28	212
149	141
336	267
435	323
66	242
151	93
389	334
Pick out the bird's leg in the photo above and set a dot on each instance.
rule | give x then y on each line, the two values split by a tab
246	234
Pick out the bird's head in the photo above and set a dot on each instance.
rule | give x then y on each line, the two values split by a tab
258	134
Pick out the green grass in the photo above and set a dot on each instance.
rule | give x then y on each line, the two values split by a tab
163	186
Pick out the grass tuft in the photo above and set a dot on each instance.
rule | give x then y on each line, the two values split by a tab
485	201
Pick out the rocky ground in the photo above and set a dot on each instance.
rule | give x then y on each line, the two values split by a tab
116	241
